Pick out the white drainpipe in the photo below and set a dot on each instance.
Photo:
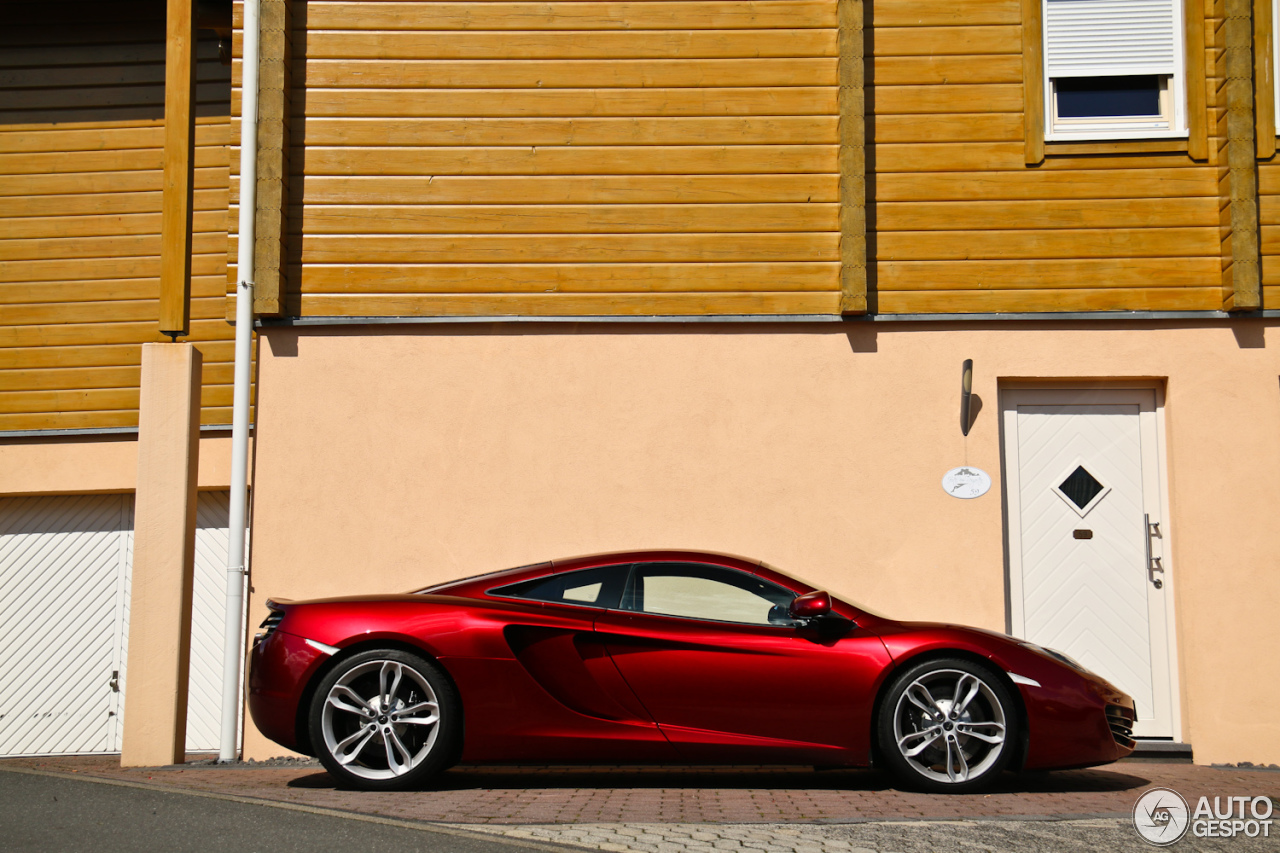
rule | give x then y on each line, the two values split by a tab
227	746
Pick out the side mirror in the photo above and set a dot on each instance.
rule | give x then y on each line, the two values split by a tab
810	606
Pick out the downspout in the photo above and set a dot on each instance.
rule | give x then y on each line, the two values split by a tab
227	745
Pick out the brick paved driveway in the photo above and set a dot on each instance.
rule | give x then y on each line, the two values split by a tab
666	795
721	810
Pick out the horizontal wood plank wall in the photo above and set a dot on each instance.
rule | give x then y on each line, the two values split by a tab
1268	168
81	149
962	224
1269	230
562	158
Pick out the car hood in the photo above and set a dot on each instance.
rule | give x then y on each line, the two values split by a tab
983	634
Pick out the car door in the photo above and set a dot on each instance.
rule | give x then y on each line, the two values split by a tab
559	650
557	695
711	655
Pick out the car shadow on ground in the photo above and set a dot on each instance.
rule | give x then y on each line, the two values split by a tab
466	778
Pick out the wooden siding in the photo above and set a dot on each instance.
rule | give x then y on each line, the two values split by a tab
962	224
81	150
682	156
1269	231
1269	166
561	158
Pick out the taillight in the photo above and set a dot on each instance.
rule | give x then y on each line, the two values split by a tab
274	617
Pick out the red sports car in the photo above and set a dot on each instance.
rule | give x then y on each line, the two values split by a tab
669	657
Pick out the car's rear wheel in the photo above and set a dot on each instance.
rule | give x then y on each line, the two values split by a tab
384	720
947	726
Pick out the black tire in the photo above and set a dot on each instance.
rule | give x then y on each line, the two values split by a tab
368	741
929	745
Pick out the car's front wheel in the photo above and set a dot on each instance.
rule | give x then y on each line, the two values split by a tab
385	720
947	726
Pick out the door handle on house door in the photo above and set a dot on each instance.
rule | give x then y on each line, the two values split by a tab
1153	563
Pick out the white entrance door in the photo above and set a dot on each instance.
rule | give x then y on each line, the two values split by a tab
65	567
1087	563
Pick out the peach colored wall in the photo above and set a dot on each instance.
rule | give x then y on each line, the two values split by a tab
66	465
392	457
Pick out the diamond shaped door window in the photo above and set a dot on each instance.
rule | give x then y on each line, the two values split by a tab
1081	489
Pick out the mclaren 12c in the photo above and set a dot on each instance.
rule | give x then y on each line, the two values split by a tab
665	657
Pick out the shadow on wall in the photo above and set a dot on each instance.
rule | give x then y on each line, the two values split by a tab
282	340
297	159
98	62
1250	334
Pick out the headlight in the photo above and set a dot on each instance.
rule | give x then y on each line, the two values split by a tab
1056	655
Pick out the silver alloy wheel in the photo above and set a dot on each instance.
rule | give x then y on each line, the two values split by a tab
380	719
949	726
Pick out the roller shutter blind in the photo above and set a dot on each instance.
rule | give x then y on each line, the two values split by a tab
1108	38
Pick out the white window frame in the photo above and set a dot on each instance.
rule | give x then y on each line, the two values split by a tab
1173	97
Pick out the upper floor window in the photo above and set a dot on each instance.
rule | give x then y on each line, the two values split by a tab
1114	69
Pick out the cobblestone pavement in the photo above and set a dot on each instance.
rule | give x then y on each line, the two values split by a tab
670	809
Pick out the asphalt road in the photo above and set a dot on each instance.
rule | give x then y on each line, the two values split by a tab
66	815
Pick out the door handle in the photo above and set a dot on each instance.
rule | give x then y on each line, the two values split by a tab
115	681
1153	563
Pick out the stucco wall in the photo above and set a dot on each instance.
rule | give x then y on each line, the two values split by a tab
85	464
392	457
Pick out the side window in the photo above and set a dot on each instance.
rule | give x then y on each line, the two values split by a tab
1114	69
700	591
600	587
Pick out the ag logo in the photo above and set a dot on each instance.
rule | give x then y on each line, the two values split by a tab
1161	816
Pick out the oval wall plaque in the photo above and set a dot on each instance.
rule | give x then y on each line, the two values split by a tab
966	482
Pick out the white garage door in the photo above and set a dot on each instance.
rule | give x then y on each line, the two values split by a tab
208	623
64	622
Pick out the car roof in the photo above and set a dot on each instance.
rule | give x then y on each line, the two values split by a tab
478	584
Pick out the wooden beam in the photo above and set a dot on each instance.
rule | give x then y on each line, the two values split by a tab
1264	78
1033	82
1197	103
179	162
1241	284
275	62
853	159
